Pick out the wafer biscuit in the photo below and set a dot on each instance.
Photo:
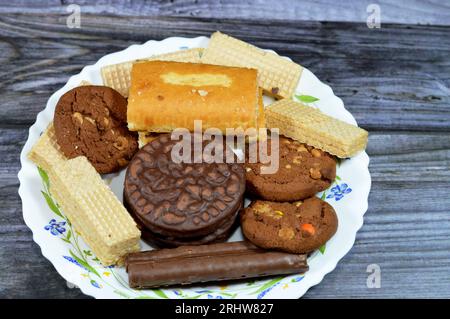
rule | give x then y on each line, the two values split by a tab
276	75
118	76
84	83
261	119
310	126
89	204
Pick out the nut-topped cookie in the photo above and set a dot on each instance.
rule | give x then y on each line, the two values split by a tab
303	171
298	227
182	202
91	121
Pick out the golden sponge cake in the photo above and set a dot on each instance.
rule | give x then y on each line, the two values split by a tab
147	137
167	95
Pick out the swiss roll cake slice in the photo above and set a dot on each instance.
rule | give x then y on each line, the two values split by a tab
168	95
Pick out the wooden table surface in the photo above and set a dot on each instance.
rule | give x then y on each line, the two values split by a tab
395	81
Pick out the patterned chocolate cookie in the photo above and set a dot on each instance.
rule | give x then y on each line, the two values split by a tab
298	227
181	201
303	171
92	121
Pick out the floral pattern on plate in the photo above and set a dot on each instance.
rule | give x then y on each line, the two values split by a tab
99	276
73	260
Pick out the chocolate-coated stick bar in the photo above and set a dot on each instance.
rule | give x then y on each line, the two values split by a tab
189	252
225	261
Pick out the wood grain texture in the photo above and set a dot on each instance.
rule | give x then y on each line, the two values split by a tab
436	12
395	81
400	92
406	228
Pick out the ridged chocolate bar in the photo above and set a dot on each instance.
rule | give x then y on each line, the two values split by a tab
214	262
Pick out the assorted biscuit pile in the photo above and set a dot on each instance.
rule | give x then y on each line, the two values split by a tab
188	210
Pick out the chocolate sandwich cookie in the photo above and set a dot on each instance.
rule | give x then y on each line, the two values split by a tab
222	233
182	202
299	227
92	121
303	171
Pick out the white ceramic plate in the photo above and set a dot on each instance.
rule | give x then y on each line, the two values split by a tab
73	259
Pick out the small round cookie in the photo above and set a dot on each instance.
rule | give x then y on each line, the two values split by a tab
92	121
299	227
303	171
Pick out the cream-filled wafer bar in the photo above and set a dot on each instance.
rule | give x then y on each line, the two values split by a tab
118	76
89	204
311	126
276	75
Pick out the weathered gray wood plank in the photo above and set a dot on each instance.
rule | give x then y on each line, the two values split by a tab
381	81
406	228
394	80
392	11
409	245
396	157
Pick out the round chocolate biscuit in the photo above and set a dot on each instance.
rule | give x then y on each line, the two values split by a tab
92	121
299	227
303	171
181	200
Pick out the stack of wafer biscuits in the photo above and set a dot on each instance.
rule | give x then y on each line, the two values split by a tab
310	126
89	204
118	76
276	75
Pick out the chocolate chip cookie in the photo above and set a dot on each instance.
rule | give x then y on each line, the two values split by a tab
180	203
303	171
298	227
92	121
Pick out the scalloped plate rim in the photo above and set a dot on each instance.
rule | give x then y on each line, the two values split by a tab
39	125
